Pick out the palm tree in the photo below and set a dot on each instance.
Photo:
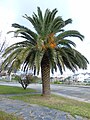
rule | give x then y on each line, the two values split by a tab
48	48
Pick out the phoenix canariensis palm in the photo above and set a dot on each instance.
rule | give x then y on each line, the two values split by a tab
46	49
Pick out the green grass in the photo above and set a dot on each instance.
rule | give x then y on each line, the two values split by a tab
14	90
5	116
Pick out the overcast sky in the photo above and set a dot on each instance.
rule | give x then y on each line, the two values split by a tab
11	11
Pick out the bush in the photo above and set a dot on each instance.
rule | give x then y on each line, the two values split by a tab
25	80
57	82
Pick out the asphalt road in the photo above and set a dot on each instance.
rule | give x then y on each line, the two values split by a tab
81	93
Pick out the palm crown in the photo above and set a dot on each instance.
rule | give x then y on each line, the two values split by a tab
47	48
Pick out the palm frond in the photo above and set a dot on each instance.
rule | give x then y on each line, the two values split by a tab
38	59
70	33
65	43
21	28
40	14
68	21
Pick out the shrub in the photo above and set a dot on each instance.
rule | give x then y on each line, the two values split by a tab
25	80
57	82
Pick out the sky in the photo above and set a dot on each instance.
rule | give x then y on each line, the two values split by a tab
11	11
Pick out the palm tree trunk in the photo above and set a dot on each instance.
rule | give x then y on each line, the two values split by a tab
45	73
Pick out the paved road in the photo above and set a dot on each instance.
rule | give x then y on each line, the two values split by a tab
81	93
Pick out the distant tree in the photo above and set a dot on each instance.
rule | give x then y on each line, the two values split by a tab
47	48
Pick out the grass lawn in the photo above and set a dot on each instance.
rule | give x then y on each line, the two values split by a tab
14	90
5	116
74	107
